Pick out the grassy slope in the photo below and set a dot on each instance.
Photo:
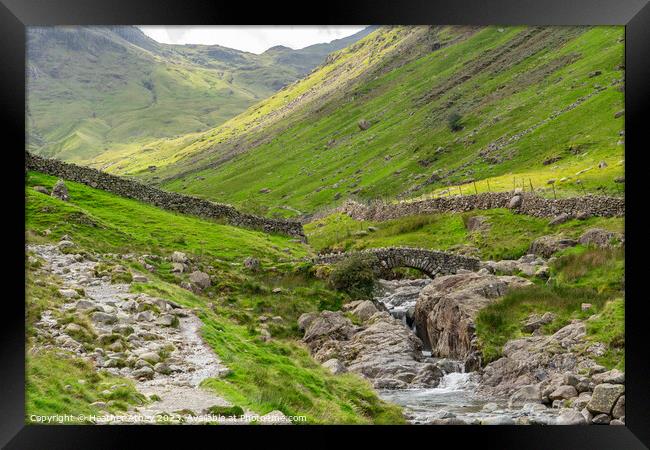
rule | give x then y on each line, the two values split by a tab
107	222
243	131
580	275
48	374
266	375
501	81
508	237
90	90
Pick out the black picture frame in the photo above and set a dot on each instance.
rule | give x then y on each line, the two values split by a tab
15	15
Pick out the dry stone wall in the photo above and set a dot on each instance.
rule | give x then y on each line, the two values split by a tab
170	201
530	204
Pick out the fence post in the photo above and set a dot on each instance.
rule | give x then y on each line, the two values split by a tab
531	185
553	186
475	190
460	190
488	183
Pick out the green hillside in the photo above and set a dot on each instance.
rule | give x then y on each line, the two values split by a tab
266	375
446	106
94	89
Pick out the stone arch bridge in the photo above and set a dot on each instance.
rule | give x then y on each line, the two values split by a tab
431	262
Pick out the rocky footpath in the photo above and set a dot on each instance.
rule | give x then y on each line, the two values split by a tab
382	348
446	309
152	341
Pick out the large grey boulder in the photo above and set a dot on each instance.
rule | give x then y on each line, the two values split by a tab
563	392
383	350
525	394
327	326
365	310
179	257
613	376
335	366
571	417
200	279
600	237
387	349
60	191
446	309
515	202
545	246
618	410
604	398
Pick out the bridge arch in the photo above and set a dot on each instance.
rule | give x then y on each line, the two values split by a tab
430	262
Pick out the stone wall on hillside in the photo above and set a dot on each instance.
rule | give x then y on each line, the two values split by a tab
528	203
170	201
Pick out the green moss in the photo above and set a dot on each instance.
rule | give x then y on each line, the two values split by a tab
121	277
608	327
226	411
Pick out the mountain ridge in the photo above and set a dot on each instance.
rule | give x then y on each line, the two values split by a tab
491	77
91	89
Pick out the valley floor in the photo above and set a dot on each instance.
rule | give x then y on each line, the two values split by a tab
130	312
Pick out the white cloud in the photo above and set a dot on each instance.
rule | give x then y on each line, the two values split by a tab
250	38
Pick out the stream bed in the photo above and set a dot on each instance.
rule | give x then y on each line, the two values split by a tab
454	400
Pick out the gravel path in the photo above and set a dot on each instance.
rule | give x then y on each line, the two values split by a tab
164	353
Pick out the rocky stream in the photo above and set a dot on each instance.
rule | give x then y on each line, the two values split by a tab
415	342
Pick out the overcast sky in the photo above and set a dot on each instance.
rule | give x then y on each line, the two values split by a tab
255	39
